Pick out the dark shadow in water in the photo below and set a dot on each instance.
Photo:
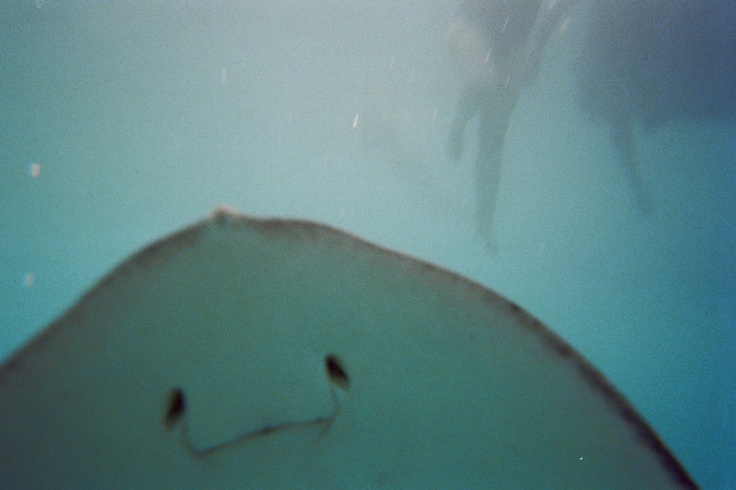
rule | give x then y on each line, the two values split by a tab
646	62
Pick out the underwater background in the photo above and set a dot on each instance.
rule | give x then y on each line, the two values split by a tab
123	121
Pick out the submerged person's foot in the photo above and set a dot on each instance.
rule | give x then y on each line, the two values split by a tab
455	146
486	235
643	201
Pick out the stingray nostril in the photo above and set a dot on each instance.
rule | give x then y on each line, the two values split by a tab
337	372
175	408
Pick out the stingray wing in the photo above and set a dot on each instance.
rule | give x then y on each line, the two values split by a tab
271	354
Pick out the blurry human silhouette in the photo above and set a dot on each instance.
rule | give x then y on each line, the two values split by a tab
644	63
498	46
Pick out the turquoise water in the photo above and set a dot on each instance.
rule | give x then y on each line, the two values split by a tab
121	124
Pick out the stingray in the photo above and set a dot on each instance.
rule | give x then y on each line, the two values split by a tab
645	63
257	353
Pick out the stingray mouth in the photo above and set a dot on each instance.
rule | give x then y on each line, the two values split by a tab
176	414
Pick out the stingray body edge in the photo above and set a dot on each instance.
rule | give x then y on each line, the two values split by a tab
283	353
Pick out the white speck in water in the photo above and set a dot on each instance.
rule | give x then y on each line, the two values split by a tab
34	169
565	24
487	59
29	279
355	121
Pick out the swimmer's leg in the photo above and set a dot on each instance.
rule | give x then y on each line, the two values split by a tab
623	142
469	104
494	123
